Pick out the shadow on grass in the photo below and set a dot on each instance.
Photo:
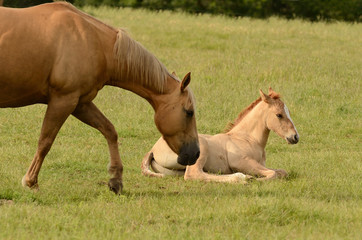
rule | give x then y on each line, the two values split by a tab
180	188
153	188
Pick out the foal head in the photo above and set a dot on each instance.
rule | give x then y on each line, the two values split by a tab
278	117
175	119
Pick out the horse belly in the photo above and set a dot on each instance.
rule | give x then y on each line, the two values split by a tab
24	61
21	85
19	90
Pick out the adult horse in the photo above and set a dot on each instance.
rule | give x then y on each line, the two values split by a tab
239	151
57	55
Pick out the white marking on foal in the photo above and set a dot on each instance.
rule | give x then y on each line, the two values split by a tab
240	175
288	116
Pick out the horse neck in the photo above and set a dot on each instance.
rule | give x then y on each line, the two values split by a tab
139	71
253	126
152	95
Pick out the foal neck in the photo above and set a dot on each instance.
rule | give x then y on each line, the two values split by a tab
253	125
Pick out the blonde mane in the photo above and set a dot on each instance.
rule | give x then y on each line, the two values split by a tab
247	110
135	63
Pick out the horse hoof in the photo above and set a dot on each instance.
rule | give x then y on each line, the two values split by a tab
115	185
27	184
23	182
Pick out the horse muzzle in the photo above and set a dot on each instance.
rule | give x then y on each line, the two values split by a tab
189	153
294	139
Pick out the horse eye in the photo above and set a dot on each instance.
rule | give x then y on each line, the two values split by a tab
279	116
189	113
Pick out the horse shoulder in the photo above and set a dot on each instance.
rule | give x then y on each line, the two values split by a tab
84	52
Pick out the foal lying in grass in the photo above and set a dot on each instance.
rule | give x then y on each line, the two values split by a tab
235	155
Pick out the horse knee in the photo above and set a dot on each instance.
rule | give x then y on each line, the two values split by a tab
44	146
110	133
113	136
115	170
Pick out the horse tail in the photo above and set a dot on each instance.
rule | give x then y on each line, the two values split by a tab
146	164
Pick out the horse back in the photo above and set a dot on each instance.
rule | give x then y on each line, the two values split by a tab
50	46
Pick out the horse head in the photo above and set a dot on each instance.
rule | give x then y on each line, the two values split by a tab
175	119
278	117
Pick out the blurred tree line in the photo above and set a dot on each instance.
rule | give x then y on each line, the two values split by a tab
314	10
23	3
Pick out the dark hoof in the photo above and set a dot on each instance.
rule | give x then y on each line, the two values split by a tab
115	185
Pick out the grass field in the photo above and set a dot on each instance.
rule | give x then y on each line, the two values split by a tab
316	67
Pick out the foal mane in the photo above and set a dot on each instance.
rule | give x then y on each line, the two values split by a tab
247	110
136	63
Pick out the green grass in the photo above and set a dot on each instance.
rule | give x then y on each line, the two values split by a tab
316	67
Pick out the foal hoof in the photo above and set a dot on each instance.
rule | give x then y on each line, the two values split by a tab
115	185
281	173
249	178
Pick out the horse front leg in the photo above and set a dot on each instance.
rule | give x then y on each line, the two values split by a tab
58	110
90	114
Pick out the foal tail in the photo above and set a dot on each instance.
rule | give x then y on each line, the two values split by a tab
146	164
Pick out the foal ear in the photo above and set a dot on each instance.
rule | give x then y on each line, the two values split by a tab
270	90
264	97
185	81
174	74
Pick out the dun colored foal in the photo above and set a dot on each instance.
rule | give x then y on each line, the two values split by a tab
236	154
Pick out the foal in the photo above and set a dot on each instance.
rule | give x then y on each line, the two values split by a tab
236	154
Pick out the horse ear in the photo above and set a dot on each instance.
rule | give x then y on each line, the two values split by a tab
174	74
264	97
185	81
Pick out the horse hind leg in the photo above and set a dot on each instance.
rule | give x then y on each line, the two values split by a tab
58	110
91	115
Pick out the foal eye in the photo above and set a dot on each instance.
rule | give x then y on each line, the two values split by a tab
279	116
189	113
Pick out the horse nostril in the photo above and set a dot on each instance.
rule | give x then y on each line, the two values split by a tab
296	138
197	154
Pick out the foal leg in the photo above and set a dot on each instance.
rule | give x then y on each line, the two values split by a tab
90	114
59	108
146	164
252	167
196	172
